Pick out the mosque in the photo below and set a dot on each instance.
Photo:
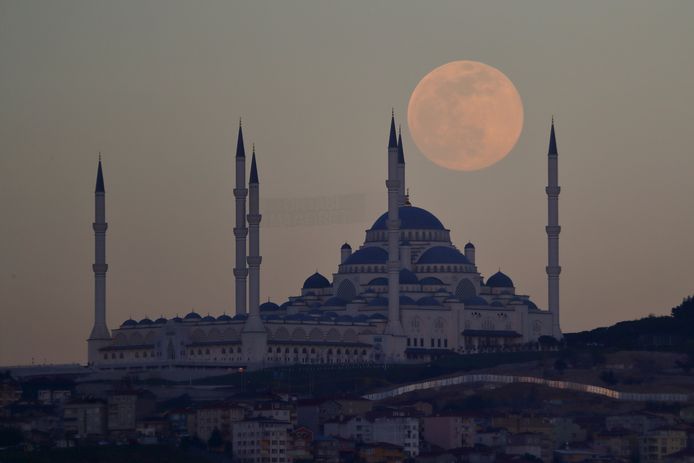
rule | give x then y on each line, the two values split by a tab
406	294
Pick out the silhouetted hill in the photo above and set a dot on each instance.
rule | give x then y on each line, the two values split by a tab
675	331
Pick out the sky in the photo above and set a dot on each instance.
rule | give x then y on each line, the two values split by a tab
158	88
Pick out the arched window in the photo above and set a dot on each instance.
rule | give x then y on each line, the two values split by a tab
346	291
465	289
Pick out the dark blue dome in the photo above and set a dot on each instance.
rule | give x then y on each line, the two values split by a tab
428	301
160	321
378	302
192	316
240	316
408	278
469	246
145	321
499	280
430	281
344	318
475	300
129	322
380	281
442	255
316	281
497	304
406	300
411	218
224	318
208	318
177	319
335	302
368	255
285	304
530	304
268	306
346	246
378	316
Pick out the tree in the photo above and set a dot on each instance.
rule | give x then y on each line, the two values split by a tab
547	342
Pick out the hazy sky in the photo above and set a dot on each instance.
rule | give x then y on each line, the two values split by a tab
158	88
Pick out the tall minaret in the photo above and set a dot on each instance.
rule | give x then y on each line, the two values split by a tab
254	336
402	199
553	230
100	334
394	326
240	230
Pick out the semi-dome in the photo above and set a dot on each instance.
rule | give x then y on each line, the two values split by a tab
378	302
316	281
192	316
531	304
335	302
407	277
442	255
428	301
268	306
380	281
368	255
411	218
499	280
128	322
475	300
430	281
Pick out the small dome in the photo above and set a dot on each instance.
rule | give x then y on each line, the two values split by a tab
192	316
240	316
442	255
160	321
285	304
368	255
344	318
335	302
268	306
475	300
469	246
273	316
499	280
208	318
361	318
145	321
224	318
430	281
407	277
378	302
406	300
128	323
346	246
411	218
316	281
497	304
177	319
428	301
380	281
531	304
377	316
330	314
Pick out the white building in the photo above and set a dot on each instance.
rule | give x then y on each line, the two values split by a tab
408	292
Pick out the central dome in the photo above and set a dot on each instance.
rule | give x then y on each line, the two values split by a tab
411	218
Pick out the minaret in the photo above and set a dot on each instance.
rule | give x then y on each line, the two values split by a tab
100	335
394	349
254	336
553	230
402	198
240	230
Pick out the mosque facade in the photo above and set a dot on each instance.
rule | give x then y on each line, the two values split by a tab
406	294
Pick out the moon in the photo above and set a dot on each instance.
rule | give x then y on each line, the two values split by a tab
465	115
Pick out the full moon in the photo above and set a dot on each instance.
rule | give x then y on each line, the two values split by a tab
465	115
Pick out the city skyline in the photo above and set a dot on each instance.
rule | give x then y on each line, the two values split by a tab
171	217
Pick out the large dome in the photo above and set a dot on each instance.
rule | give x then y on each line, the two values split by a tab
411	218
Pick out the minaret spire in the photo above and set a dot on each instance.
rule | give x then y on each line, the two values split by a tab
254	335
395	342
402	199
100	333
240	230
553	229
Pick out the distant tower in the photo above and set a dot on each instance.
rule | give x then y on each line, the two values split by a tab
240	230
395	345
100	335
553	230
254	335
470	252
345	252
402	198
